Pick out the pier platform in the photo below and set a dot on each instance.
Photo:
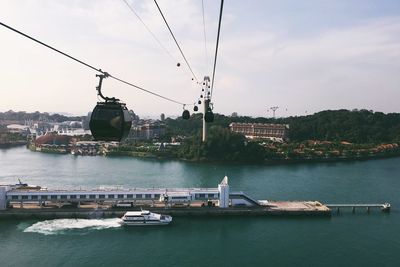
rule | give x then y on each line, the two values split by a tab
283	208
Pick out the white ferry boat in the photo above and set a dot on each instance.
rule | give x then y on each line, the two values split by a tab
145	217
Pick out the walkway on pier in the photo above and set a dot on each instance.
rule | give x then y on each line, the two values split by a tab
383	207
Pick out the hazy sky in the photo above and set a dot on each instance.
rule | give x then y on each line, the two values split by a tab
298	55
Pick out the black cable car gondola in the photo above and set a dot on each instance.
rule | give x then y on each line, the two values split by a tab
209	116
195	108
185	114
110	120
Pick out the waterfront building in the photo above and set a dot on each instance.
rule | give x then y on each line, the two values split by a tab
148	130
221	196
272	131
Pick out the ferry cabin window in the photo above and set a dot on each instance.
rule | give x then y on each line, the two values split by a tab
82	196
157	196
110	196
63	196
102	196
72	196
120	196
24	197
148	196
129	196
53	197
92	196
43	197
34	197
139	196
14	197
202	195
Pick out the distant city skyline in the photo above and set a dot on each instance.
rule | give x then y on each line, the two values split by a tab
299	56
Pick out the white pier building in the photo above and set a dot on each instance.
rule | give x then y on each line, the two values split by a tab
23	193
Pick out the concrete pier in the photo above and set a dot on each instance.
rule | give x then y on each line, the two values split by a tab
383	207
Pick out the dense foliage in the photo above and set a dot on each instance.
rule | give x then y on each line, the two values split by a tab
357	126
354	126
221	145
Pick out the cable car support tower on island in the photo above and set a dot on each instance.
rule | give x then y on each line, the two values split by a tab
208	116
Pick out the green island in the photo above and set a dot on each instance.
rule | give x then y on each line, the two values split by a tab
331	135
324	136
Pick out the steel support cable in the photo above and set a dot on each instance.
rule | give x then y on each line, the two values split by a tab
205	38
90	66
148	29
216	47
176	42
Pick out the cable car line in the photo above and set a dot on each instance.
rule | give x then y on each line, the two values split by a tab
204	29
216	46
176	42
91	67
148	29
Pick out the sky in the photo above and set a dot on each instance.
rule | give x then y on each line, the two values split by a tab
302	56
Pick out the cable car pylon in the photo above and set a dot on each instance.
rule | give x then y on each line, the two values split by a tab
208	115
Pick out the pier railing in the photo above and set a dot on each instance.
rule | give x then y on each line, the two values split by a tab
353	207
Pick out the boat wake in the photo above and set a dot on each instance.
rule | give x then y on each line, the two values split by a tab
64	226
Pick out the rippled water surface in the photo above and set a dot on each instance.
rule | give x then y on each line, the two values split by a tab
347	239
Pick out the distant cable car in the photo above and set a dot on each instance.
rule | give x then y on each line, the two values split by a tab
209	116
195	108
186	114
110	120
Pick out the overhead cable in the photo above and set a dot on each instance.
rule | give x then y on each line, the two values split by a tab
216	46
91	67
148	29
204	30
176	42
